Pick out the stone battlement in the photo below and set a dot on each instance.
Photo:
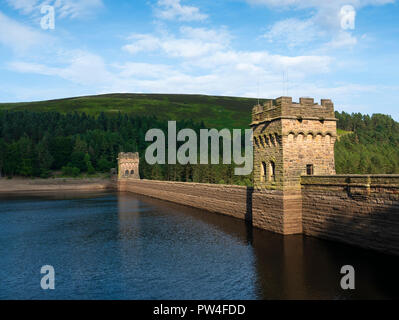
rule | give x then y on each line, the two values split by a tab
284	107
128	155
367	180
291	140
361	186
128	165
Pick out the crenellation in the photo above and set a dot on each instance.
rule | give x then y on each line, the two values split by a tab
306	101
128	165
128	155
327	103
291	140
268	104
303	131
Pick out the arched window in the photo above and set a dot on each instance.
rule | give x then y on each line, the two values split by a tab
263	172
126	172
272	171
132	172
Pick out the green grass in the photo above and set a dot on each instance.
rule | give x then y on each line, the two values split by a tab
216	111
342	133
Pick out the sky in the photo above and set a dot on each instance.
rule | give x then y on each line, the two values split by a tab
344	50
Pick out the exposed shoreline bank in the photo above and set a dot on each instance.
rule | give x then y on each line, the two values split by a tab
58	184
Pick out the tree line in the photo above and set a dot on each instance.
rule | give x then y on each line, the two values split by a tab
39	144
371	145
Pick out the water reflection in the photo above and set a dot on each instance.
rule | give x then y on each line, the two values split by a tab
299	267
124	246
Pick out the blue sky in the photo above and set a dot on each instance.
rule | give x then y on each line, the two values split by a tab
265	48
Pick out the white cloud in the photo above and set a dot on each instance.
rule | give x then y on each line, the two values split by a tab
63	8
220	35
81	67
197	60
20	37
323	26
294	32
224	72
25	6
146	70
327	11
318	3
27	67
142	42
342	39
174	10
193	42
194	60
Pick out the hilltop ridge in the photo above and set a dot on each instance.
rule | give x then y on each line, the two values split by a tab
215	111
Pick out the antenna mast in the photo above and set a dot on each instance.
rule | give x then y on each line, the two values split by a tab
285	83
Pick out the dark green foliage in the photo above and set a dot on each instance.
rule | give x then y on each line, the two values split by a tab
60	148
78	160
35	144
78	143
104	165
372	147
70	171
88	166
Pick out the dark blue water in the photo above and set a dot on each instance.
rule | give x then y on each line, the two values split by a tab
122	246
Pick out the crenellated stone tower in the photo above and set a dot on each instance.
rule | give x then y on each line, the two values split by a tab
128	165
290	140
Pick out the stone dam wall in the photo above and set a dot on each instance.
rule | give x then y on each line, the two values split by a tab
224	199
359	210
55	185
264	208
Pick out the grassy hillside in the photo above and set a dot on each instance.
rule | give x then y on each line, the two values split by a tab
342	133
366	144
216	112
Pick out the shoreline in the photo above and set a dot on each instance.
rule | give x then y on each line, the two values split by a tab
19	185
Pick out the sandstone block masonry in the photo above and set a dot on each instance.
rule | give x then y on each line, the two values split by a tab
295	187
229	200
234	201
290	140
128	165
360	210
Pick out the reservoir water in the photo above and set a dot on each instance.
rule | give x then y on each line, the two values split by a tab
124	246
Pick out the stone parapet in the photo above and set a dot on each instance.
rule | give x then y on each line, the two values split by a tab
361	210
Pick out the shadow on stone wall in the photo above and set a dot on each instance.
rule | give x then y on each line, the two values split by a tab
248	212
365	232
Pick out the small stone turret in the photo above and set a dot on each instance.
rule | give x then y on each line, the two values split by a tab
292	139
128	165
